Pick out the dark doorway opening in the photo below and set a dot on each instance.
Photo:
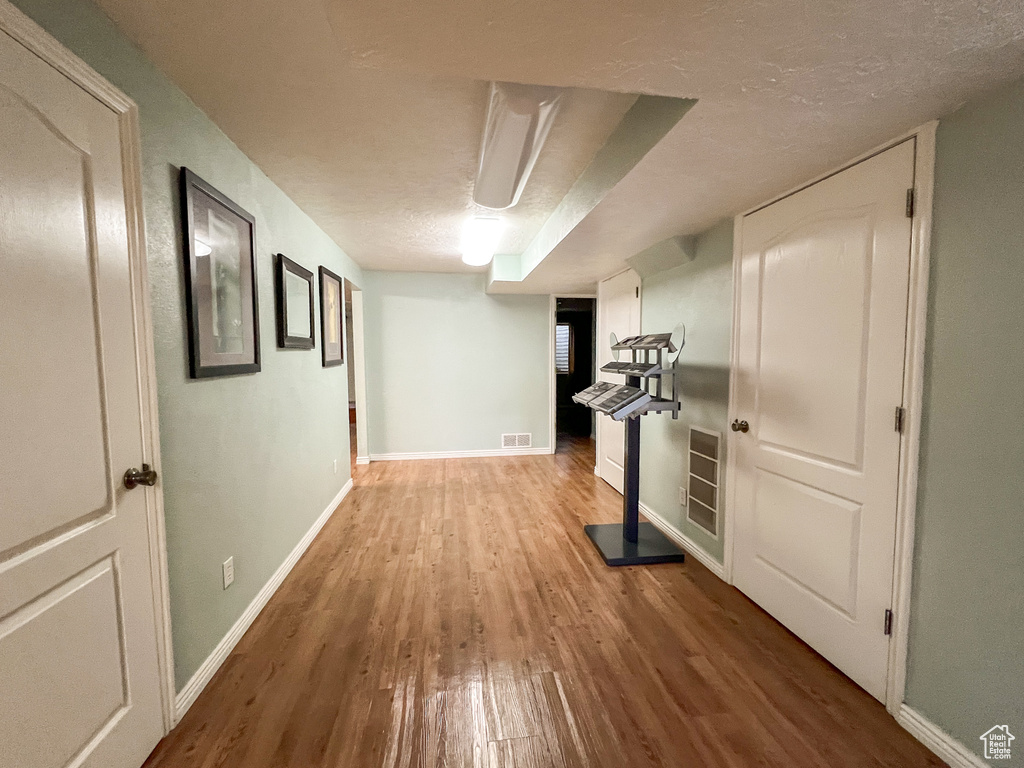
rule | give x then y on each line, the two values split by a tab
574	365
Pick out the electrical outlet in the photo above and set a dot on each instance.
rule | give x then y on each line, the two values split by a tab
682	496
335	466
229	571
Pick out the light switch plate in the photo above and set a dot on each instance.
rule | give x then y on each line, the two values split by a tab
682	496
229	571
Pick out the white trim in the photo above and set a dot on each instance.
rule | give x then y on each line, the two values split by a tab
913	401
913	393
361	460
598	335
883	147
358	362
693	548
947	748
552	376
145	336
52	51
37	40
730	437
188	695
462	454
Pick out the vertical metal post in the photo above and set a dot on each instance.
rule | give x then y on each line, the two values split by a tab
631	481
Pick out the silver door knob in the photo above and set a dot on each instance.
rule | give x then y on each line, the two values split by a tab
740	426
134	477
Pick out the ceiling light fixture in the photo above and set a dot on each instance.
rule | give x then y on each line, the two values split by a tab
518	120
480	236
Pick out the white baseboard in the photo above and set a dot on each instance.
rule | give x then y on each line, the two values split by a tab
699	553
955	754
461	454
362	459
187	696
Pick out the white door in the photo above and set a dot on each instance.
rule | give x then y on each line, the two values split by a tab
79	677
618	312
823	312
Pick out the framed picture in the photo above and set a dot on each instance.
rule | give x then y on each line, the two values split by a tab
294	289
332	303
220	282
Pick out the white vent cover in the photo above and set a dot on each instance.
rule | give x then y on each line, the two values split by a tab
705	461
519	440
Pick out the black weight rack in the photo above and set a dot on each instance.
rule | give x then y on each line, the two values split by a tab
632	542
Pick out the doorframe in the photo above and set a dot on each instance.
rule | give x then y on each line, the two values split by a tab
358	363
552	376
913	392
40	42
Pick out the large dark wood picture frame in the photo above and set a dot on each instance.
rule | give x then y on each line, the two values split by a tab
332	318
221	296
294	292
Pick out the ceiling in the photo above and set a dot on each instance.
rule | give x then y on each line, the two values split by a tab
369	115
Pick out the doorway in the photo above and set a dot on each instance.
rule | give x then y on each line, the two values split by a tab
354	363
574	366
822	301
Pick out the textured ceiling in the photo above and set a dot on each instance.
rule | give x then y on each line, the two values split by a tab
369	114
382	160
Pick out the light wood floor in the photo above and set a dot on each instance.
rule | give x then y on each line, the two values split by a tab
452	613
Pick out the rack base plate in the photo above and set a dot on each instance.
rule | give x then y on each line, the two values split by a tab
652	546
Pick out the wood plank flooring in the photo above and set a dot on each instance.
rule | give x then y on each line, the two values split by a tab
452	613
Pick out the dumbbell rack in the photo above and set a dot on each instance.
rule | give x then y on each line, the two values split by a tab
632	542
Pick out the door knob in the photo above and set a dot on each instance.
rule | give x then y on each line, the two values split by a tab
144	476
740	426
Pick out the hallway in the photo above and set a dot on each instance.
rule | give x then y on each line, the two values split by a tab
452	613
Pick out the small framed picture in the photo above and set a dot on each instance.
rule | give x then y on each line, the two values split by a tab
220	282
332	303
294	290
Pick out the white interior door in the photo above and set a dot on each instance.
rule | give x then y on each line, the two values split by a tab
78	650
618	312
823	312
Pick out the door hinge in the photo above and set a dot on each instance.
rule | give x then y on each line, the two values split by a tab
638	291
888	621
910	203
901	416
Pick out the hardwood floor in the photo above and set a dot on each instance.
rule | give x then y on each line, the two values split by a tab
452	613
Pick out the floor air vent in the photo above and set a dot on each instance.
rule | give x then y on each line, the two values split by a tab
520	440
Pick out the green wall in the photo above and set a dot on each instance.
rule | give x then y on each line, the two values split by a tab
247	462
966	665
698	294
450	368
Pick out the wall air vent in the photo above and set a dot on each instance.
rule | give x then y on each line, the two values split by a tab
520	440
705	458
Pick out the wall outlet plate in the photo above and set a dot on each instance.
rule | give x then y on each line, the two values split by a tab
682	496
335	466
229	571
